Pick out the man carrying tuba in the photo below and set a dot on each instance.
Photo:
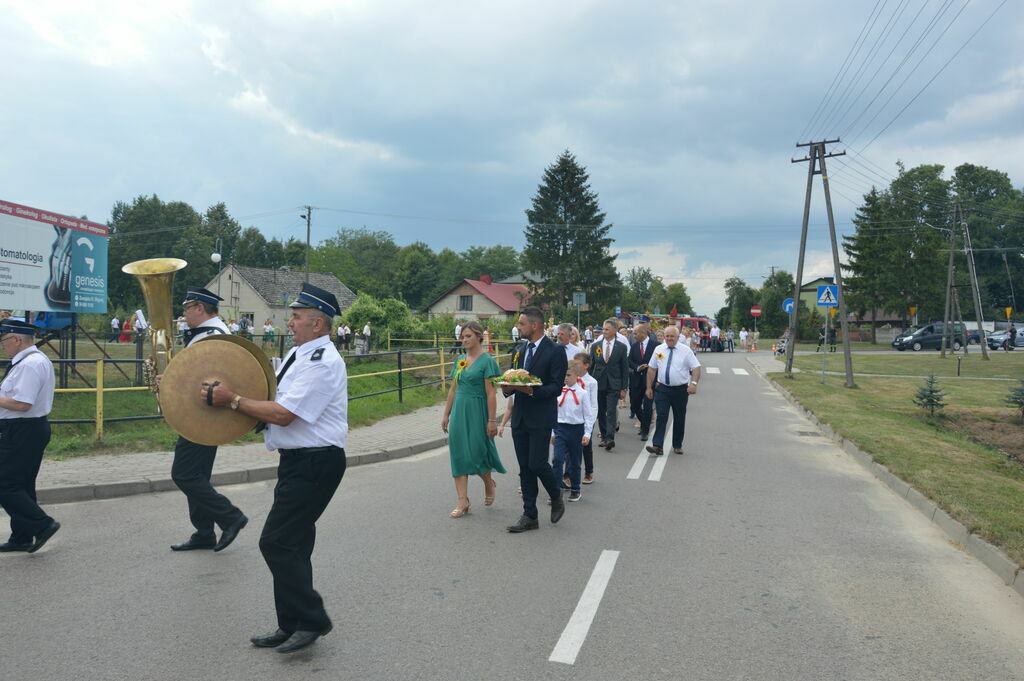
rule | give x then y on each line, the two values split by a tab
193	463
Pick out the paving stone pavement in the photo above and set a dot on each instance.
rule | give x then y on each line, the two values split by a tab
104	476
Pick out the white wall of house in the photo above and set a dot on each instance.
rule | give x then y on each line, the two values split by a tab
240	298
482	306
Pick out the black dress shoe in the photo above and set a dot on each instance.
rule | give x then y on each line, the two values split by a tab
557	509
610	446
11	546
194	543
656	450
270	640
525	523
300	640
230	533
643	437
44	536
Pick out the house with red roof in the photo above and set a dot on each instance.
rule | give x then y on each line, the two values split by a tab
481	299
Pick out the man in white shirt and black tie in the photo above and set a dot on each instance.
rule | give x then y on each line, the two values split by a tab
672	376
308	424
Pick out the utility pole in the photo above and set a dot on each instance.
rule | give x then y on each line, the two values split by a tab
309	218
816	166
949	293
1013	299
976	294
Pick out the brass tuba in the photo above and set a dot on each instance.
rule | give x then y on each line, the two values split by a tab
156	277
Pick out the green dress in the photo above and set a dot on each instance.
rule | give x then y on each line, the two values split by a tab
472	452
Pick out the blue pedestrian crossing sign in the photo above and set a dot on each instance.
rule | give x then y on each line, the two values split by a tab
828	296
787	305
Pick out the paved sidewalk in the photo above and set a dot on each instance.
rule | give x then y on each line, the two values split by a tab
107	476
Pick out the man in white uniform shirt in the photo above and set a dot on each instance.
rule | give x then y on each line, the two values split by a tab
307	422
193	462
26	397
672	376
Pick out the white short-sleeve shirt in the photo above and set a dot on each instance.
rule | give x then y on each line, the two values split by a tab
31	381
683	362
214	326
315	389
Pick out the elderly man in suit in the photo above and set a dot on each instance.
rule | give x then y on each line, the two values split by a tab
640	354
534	415
610	369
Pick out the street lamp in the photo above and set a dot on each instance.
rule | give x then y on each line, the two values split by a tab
215	257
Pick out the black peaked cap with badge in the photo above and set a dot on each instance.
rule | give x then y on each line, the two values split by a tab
315	298
17	326
201	294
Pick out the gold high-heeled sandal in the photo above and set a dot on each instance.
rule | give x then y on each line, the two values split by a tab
489	499
459	512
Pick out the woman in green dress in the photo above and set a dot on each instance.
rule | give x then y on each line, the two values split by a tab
470	421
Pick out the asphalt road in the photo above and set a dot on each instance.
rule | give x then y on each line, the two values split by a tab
762	553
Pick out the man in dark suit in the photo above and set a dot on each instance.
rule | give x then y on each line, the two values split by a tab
534	415
640	354
611	371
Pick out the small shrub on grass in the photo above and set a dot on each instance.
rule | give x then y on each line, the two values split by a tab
929	397
1015	399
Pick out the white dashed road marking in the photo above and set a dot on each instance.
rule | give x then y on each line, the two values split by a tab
713	370
575	632
740	372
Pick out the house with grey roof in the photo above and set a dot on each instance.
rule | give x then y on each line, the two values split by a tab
260	293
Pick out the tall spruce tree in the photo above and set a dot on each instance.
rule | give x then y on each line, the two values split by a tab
870	251
567	242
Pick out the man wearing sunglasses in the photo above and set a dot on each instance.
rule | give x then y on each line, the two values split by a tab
26	397
193	462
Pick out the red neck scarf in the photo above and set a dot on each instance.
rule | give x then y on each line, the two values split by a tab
565	392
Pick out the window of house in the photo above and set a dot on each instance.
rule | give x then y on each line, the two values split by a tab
465	303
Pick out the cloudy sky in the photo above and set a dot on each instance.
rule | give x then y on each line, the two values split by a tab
434	121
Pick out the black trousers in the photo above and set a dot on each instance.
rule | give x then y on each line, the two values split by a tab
607	413
588	458
306	482
191	470
666	398
22	443
532	446
642	407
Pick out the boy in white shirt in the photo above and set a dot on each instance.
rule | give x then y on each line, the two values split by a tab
575	423
590	384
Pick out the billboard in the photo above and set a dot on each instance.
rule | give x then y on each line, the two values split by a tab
51	262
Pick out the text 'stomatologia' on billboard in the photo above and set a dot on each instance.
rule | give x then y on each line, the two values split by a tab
51	262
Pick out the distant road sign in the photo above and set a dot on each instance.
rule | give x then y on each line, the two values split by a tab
579	299
618	310
787	305
828	296
756	311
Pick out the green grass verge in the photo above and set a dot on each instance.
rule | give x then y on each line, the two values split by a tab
1001	364
71	440
978	485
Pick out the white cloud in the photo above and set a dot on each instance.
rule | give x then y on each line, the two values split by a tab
255	102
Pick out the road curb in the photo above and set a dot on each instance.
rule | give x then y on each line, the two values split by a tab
124	488
988	554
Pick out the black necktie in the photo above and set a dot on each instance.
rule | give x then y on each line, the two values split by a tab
529	356
288	363
261	426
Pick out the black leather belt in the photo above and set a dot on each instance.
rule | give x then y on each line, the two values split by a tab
673	387
311	450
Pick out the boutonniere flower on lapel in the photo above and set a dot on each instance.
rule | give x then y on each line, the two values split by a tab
598	350
515	361
660	356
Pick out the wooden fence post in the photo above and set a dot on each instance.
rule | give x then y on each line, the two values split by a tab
99	399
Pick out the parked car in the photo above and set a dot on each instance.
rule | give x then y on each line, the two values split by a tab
929	337
973	338
996	340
